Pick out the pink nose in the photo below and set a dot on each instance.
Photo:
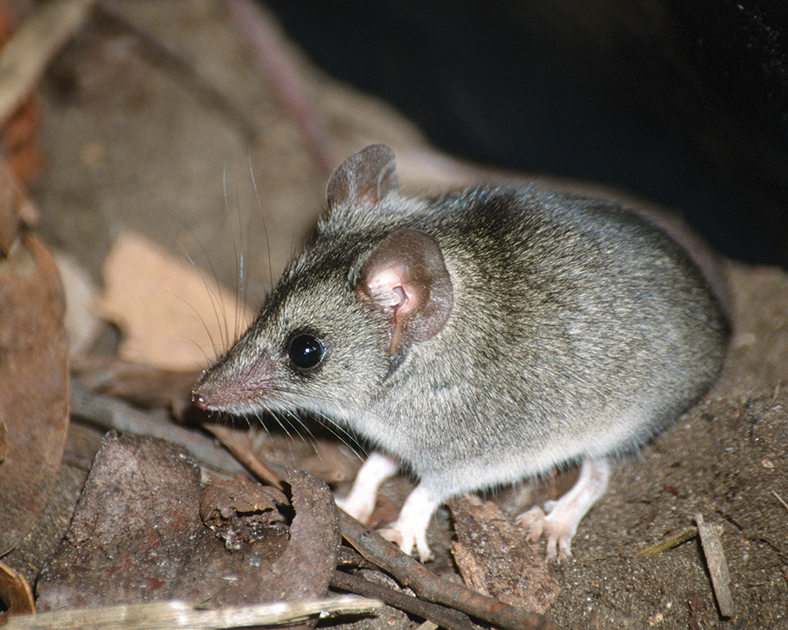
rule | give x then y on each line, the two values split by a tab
201	400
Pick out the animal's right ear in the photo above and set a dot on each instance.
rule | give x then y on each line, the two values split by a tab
406	278
364	178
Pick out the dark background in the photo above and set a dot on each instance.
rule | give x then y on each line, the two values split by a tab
681	101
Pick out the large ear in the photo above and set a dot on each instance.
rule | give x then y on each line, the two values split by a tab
364	178
406	277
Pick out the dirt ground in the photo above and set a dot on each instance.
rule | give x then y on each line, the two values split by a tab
131	141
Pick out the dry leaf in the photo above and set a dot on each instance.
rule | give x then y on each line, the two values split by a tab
20	131
172	316
15	594
495	558
33	386
82	326
238	510
26	55
137	535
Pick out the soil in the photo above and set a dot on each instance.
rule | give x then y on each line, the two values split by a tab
130	143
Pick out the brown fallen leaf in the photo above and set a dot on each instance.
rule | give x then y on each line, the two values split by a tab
33	386
27	54
21	128
137	535
173	317
82	325
495	558
16	597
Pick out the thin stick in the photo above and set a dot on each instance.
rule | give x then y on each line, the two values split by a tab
780	499
409	572
241	449
185	616
718	567
672	541
444	617
108	413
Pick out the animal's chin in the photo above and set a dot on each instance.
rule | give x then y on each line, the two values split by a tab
239	401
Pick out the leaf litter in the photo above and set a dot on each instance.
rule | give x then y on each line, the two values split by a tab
33	386
145	529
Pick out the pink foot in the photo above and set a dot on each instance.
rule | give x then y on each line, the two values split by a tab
410	529
559	524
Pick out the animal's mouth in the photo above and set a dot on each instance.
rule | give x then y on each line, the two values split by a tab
242	396
234	399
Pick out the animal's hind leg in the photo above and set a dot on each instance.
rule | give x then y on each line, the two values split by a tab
560	522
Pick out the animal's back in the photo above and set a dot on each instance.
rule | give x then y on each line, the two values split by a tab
575	324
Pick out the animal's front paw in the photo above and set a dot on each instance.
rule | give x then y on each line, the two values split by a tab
406	537
410	529
359	507
360	503
557	532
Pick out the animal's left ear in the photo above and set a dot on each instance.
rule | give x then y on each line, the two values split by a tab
364	178
406	277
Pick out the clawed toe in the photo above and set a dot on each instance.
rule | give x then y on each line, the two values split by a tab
558	534
407	540
533	521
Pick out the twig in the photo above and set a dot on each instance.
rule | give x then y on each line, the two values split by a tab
109	413
242	451
24	58
425	584
349	558
672	541
185	616
444	617
718	567
780	499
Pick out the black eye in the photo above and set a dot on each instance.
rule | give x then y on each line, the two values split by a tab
306	351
